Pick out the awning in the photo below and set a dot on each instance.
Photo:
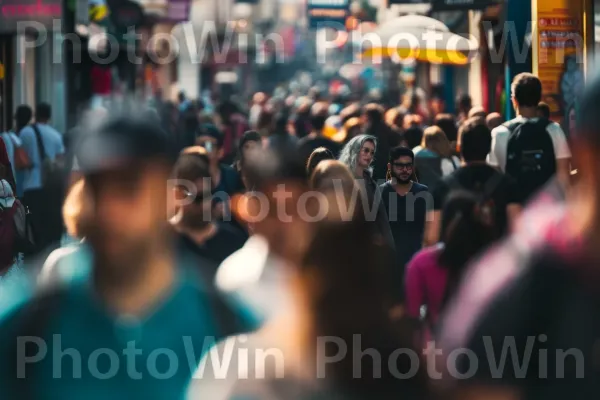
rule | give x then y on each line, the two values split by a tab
421	38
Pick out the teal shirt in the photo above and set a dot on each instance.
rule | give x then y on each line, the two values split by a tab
93	354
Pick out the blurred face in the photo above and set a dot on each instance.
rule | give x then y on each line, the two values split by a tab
249	148
367	152
210	144
437	106
402	169
129	214
196	214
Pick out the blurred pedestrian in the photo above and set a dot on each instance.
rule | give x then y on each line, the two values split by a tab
199	231
74	260
141	295
387	139
494	120
316	139
224	179
539	150
464	105
335	266
498	194
317	156
43	189
434	274
543	110
435	159
539	286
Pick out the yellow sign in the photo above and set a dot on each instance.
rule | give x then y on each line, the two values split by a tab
559	50
2	71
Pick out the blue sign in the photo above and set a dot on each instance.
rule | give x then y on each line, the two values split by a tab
323	13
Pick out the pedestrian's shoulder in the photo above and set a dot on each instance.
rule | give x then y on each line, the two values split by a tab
503	129
555	129
419	187
27	131
386	186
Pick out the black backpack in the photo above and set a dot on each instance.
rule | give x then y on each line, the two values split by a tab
530	157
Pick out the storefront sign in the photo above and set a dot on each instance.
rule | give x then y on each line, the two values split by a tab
457	5
40	11
559	49
327	12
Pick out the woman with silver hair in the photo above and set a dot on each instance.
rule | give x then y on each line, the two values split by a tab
358	155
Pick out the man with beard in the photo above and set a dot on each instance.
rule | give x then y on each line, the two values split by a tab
406	204
129	328
193	220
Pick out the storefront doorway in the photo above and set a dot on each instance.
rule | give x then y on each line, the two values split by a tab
6	81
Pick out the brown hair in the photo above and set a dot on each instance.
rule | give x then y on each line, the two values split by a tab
329	170
76	209
435	139
344	276
316	157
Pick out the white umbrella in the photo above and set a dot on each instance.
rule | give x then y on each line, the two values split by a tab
421	38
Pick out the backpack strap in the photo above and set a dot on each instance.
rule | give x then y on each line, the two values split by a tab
40	142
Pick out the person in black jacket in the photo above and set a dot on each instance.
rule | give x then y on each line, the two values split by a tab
358	155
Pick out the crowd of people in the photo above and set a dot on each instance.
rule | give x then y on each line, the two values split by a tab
316	247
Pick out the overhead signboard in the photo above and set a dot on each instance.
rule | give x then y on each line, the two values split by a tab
559	56
36	11
327	12
458	5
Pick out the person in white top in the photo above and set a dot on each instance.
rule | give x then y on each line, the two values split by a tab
526	95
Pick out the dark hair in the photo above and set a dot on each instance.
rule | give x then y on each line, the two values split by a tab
401	151
465	103
464	234
320	154
43	112
413	136
191	167
278	164
475	140
212	131
249	136
23	115
265	120
374	113
447	123
544	109
527	90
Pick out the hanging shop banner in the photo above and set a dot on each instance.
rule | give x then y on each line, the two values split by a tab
34	11
327	12
460	5
559	48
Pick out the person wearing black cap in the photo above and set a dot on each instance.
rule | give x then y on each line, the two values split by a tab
539	294
141	299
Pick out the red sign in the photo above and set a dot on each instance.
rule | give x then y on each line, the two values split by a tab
41	11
